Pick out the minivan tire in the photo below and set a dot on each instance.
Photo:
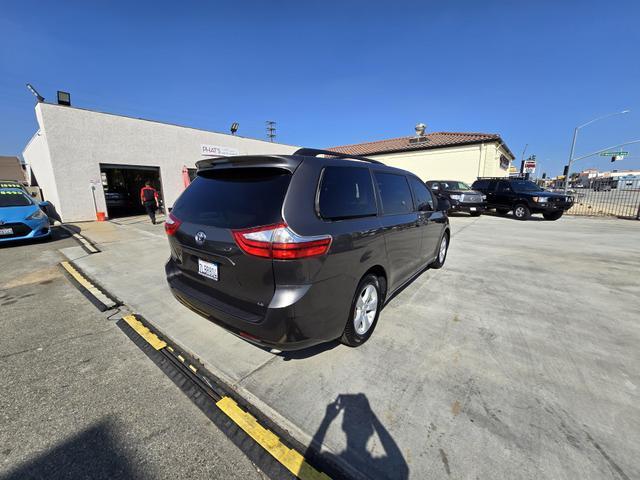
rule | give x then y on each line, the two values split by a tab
552	215
351	336
521	211
440	259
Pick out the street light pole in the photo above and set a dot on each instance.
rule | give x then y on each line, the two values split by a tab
573	143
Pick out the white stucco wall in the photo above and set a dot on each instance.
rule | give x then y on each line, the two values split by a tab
36	156
490	166
77	141
464	163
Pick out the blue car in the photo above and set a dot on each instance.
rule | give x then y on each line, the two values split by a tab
21	218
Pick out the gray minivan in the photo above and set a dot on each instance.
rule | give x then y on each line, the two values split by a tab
288	251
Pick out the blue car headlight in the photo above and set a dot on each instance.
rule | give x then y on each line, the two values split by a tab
37	215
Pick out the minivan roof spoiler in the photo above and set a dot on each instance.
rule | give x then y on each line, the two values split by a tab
248	161
313	152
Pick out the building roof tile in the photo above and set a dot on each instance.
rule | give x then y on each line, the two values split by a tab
429	141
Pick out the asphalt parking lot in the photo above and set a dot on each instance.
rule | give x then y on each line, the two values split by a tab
519	359
79	399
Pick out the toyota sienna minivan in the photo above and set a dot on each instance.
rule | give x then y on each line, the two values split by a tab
288	251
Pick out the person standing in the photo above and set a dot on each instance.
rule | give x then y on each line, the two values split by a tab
149	198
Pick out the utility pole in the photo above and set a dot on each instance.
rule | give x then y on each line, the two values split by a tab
573	144
271	130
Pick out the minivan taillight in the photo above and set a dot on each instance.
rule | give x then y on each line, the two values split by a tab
172	224
280	242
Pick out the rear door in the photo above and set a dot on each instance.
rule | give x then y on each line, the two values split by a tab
491	193
504	194
215	204
401	225
431	230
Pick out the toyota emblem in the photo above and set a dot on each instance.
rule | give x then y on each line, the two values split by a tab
200	238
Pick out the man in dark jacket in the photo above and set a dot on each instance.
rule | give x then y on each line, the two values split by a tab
149	198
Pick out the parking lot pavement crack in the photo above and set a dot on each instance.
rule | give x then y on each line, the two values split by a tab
461	229
255	370
614	466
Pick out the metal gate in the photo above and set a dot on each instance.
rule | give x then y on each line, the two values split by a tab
603	200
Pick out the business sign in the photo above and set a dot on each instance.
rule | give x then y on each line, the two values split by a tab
217	151
529	166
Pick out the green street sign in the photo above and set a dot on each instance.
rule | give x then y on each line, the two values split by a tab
614	154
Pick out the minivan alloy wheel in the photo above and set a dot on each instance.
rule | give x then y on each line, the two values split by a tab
442	253
365	310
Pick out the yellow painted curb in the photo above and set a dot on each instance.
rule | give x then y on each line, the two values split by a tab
144	332
290	459
95	291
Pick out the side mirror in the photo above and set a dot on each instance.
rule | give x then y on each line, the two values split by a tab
44	204
444	204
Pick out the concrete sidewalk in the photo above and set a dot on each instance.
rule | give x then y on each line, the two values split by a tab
519	359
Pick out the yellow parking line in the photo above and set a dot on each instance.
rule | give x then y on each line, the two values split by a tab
144	332
289	458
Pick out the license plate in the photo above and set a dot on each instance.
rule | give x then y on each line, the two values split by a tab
473	209
208	269
6	231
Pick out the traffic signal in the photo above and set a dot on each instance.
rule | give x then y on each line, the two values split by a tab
566	171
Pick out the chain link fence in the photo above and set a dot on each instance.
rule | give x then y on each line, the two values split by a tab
615	202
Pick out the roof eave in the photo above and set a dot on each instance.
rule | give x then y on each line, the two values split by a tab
433	147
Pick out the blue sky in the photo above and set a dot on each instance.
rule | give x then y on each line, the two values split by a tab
332	73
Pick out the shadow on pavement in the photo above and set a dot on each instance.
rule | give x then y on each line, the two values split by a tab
309	352
510	216
360	424
73	228
93	453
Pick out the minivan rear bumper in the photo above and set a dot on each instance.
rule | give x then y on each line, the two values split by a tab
292	326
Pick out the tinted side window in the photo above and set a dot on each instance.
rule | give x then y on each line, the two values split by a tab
480	185
504	187
424	202
492	185
346	192
394	192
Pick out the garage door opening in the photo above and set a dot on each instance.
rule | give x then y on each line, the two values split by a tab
122	184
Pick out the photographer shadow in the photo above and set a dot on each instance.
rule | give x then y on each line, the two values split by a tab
360	424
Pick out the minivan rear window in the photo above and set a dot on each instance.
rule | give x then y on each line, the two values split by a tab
346	192
234	198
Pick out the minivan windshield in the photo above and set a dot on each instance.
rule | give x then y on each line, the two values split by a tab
14	198
234	198
525	186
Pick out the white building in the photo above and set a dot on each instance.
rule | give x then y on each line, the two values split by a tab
87	162
77	153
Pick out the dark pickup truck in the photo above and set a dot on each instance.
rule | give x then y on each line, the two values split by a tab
522	196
